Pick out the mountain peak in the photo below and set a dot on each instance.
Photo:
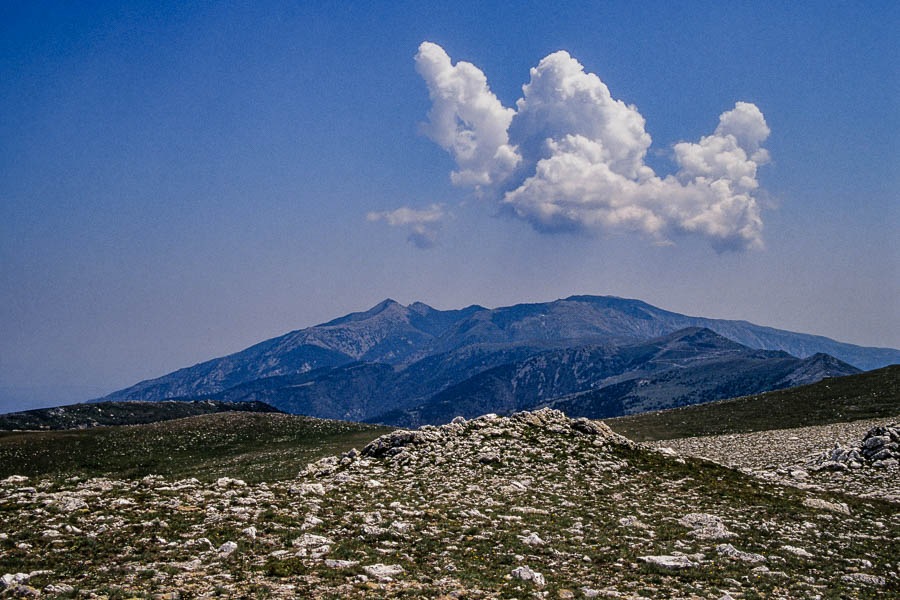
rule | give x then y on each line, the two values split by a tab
384	304
420	307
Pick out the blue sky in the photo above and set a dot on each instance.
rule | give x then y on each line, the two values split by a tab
181	180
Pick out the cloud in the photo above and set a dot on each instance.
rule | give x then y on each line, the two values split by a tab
570	157
466	119
423	224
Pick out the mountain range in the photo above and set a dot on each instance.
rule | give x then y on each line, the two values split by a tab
392	361
690	366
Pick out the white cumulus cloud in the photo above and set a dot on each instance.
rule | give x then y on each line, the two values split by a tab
423	224
466	119
571	157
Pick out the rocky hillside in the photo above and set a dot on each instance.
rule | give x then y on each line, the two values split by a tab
857	457
82	416
533	505
687	367
399	335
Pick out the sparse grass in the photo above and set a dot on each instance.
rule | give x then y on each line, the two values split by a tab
869	395
463	523
252	446
111	414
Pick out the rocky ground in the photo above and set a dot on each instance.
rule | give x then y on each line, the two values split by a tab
531	506
802	457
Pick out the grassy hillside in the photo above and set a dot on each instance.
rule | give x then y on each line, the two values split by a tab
568	500
79	416
864	396
251	446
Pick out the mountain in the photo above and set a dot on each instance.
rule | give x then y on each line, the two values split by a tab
402	336
84	416
690	366
359	391
870	395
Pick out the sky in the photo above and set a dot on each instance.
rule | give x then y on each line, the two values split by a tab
181	180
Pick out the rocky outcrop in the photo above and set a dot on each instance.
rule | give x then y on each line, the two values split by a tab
879	448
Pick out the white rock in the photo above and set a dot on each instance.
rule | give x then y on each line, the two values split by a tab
797	551
526	574
705	526
250	532
308	540
532	539
401	526
310	522
668	561
732	552
58	588
383	572
305	489
225	482
11	579
864	578
632	521
13	480
205	542
227	548
818	503
340	564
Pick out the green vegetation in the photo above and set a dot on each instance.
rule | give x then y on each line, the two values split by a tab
874	394
252	446
455	525
94	414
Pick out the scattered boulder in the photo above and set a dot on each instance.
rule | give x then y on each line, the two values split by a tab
489	458
864	578
340	564
731	552
705	526
383	572
227	549
818	503
668	561
526	574
532	539
12	579
880	447
802	553
228	482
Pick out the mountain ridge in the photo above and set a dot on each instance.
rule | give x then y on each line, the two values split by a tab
401	335
690	366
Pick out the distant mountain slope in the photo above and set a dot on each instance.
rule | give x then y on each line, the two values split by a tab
870	395
359	391
687	367
403	335
82	416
